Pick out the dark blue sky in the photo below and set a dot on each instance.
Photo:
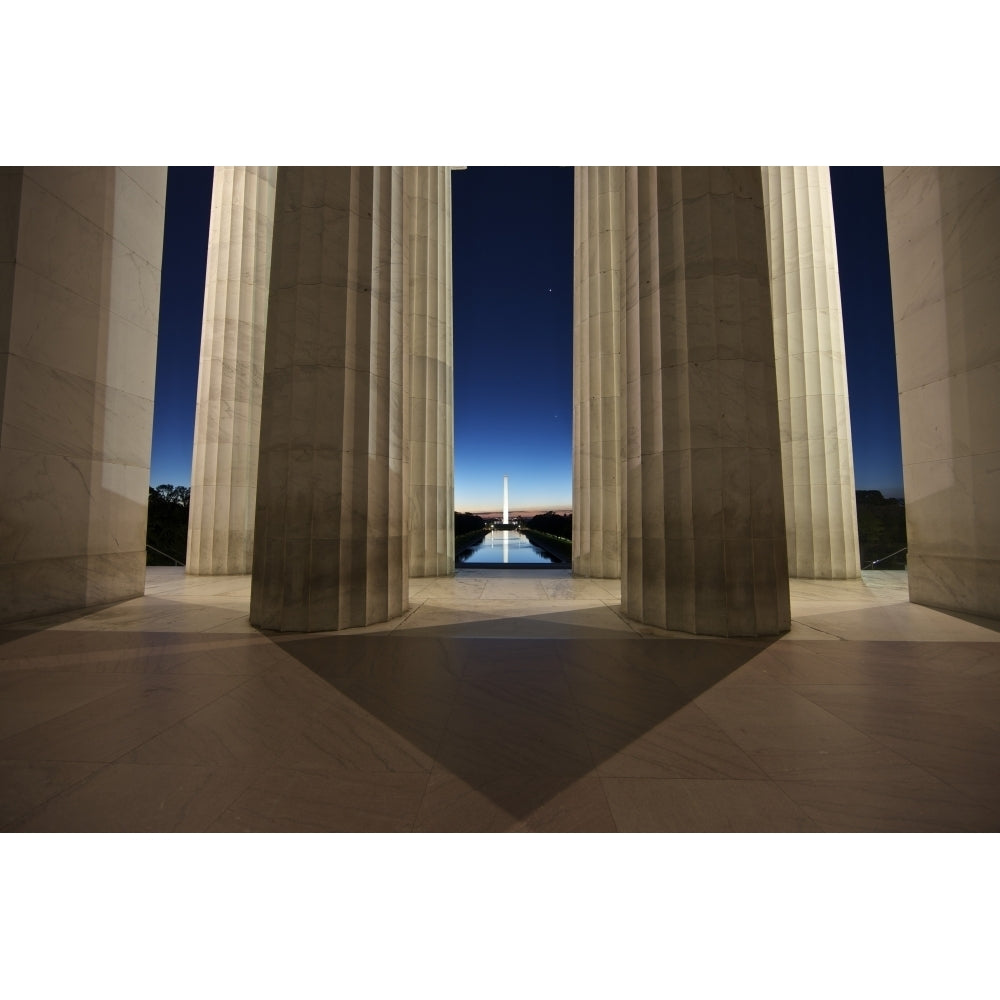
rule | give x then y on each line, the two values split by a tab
513	298
182	299
866	300
513	309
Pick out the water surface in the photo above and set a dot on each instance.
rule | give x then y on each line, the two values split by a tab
510	547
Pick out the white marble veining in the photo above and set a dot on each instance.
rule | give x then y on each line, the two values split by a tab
598	323
944	255
80	295
231	370
811	368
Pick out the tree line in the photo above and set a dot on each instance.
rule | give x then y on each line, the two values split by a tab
881	526
881	529
167	525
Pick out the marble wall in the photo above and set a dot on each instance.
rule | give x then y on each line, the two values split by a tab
598	322
427	314
231	372
331	534
703	512
811	365
80	255
944	255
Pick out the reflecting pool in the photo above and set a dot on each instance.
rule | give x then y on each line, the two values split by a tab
509	547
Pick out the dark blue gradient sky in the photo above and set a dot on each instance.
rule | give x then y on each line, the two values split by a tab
869	341
513	309
182	299
513	297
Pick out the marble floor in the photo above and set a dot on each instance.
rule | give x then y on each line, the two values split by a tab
503	700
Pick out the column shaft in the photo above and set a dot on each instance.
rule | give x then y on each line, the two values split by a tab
598	320
331	537
821	518
428	316
231	370
80	255
702	504
944	258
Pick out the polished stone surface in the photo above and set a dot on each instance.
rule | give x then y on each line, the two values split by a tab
80	254
427	314
944	255
502	700
231	372
598	328
331	533
811	366
703	519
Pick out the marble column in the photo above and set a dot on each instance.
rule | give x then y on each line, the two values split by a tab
598	320
231	371
702	511
331	537
80	255
428	316
817	461
944	257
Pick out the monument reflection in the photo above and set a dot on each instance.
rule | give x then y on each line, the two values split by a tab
504	547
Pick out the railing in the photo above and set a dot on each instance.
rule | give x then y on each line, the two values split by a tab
875	562
166	555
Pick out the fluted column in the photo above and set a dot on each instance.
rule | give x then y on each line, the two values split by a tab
428	316
821	518
944	255
230	374
701	498
331	535
598	319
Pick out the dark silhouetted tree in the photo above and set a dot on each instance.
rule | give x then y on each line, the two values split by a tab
167	524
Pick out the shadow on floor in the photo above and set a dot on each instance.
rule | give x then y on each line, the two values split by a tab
992	624
520	720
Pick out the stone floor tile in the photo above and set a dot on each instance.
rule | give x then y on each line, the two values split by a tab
513	713
935	711
351	739
115	723
247	726
665	805
513	802
913	802
134	798
26	784
482	738
284	800
685	744
787	736
30	697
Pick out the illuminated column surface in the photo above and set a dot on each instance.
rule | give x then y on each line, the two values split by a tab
331	535
428	318
944	255
814	415
506	508
80	254
703	517
598	320
231	370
